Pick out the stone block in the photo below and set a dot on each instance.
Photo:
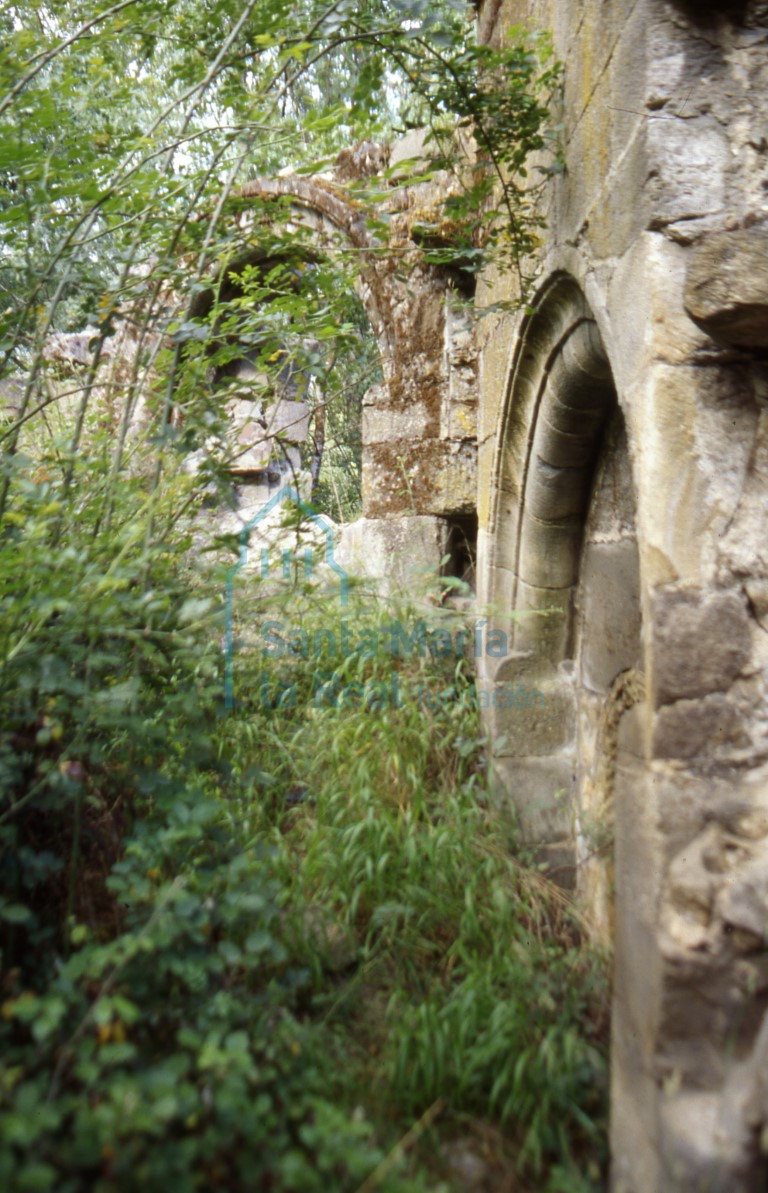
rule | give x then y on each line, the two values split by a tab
701	1152
726	288
614	224
398	552
697	729
549	552
384	423
562	450
610	613
533	715
689	159
701	642
290	420
522	666
557	493
636	994
459	421
251	450
539	790
743	904
543	620
693	435
11	396
632	736
687	802
427	476
411	148
654	324
589	396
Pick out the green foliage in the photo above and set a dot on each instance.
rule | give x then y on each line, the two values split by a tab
500	100
170	1055
148	1027
102	651
199	906
486	1001
244	951
124	139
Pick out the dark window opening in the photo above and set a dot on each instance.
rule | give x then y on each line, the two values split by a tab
461	548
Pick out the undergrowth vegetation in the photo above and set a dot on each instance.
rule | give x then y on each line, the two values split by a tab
287	947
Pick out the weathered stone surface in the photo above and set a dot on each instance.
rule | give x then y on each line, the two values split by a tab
702	1151
289	419
687	802
610	613
697	729
664	116
381	423
539	791
549	552
743	551
430	476
726	289
256	431
701	642
691	160
543	619
538	714
715	903
399	552
637	981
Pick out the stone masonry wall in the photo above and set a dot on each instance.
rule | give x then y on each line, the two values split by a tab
623	486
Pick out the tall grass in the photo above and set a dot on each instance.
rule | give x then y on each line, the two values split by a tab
447	969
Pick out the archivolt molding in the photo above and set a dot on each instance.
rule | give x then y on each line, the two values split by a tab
558	404
558	399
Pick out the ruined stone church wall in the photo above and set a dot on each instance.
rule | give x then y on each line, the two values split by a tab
623	486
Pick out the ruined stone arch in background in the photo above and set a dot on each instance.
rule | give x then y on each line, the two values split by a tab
418	423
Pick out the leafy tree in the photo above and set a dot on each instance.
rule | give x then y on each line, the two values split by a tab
124	138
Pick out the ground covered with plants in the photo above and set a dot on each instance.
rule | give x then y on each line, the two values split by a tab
286	947
282	942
